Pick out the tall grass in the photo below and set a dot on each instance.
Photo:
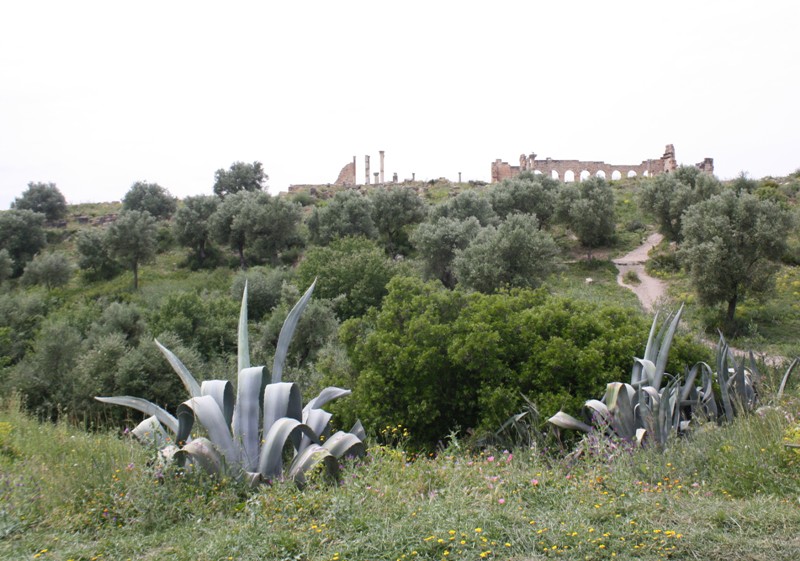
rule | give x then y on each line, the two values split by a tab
99	496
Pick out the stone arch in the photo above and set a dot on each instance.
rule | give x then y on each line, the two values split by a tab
601	174
632	173
646	173
616	174
537	172
569	176
585	175
554	174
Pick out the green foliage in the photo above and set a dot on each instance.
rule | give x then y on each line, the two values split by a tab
515	254
22	235
352	272
348	213
44	377
667	196
438	242
263	289
21	314
731	246
436	360
588	209
527	193
51	269
240	177
247	434
192	225
118	318
150	197
205	321
132	240
6	265
394	210
465	205
255	222
44	198
94	255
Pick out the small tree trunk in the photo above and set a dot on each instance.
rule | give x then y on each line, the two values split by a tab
242	262
729	318
136	275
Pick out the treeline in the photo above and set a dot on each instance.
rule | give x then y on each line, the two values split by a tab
431	312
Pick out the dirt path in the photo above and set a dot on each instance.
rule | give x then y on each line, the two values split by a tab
650	290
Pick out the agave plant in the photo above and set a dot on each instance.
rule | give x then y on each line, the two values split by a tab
247	434
656	405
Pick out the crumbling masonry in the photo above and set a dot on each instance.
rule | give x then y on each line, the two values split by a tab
575	170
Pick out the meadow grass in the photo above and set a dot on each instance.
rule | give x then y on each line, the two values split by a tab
730	490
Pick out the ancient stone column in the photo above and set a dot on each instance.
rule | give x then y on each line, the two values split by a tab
366	168
376	177
459	177
394	177
381	153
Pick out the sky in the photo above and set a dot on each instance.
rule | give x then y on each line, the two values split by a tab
95	96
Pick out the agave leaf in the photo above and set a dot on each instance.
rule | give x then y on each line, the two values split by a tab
281	400
358	430
566	421
643	372
287	332
328	394
344	444
270	462
623	414
649	351
309	458
600	410
663	351
145	407
785	378
247	415
243	352
151	432
202	451
318	421
206	410
222	392
186	377
639	437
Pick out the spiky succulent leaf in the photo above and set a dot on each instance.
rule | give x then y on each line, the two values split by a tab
308	459
567	421
151	432
206	410
246	424
222	392
663	351
281	400
203	452
287	332
328	394
145	407
785	378
186	377
243	347
270	462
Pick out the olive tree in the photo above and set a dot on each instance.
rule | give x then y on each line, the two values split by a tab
44	198
587	208
394	211
527	193
437	243
515	254
22	235
668	195
731	245
94	255
48	269
132	240
192	224
150	197
348	213
240	177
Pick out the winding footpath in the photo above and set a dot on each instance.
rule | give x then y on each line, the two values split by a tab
650	290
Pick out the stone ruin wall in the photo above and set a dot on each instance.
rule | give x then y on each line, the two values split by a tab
558	169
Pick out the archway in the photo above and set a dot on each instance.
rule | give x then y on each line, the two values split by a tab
615	175
646	173
537	172
600	173
569	176
585	175
631	173
554	174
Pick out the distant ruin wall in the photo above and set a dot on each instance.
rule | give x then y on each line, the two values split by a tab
347	177
562	169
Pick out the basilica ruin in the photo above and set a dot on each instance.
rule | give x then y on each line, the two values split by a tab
577	170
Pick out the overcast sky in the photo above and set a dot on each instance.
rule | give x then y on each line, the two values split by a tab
97	95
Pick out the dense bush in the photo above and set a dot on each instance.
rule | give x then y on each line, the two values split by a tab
48	269
435	360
